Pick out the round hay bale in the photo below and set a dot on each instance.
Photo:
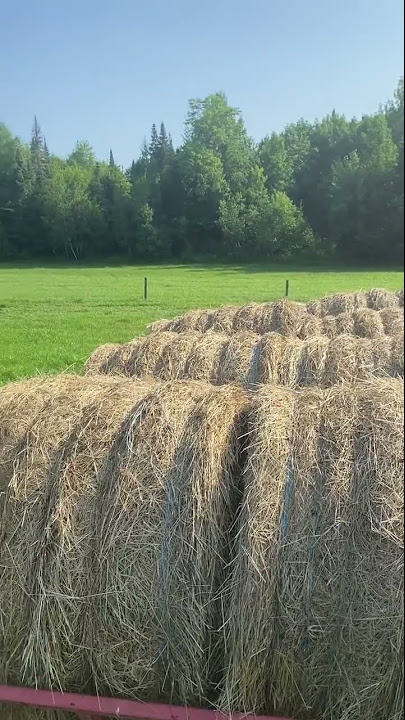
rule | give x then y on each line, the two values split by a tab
335	325
367	324
45	529
172	361
101	358
393	320
266	359
117	540
235	359
248	317
158	326
161	546
143	358
192	320
316	589
221	320
379	298
203	356
337	304
285	318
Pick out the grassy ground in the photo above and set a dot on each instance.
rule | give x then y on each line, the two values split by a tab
51	318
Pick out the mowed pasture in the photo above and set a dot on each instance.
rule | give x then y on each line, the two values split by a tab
52	318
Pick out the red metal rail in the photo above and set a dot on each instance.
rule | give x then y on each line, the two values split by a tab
90	707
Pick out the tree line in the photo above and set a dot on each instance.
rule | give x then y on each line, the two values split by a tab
331	189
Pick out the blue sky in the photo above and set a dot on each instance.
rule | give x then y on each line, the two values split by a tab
105	70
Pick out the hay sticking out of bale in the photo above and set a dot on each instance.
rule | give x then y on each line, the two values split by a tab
163	511
45	529
316	621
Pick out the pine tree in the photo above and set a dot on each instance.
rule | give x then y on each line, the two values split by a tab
111	160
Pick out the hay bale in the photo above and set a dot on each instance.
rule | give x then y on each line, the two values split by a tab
171	363
379	298
102	359
248	317
235	360
163	514
45	529
221	320
192	320
337	304
368	324
393	320
141	358
203	356
316	622
115	540
158	326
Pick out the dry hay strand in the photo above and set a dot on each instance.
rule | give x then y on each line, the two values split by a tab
171	363
103	360
379	298
204	356
221	320
337	304
163	512
393	320
45	527
316	621
235	360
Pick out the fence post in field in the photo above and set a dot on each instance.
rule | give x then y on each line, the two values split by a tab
145	289
287	288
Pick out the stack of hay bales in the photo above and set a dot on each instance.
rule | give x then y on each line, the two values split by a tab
212	518
356	313
249	359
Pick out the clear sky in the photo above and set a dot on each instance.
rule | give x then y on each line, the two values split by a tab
105	70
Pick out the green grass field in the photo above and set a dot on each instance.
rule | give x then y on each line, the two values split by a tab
51	318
